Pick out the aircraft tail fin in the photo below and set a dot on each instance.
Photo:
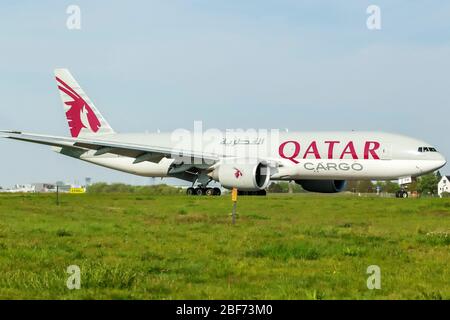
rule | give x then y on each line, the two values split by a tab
83	117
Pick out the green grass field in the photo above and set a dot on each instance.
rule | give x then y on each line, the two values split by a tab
140	246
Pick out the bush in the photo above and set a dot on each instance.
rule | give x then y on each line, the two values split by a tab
283	187
275	188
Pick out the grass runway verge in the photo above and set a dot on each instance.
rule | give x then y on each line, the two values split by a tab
141	246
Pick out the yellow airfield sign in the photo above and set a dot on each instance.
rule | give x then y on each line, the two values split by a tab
77	190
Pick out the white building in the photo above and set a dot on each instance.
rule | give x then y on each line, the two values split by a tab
21	188
44	187
444	185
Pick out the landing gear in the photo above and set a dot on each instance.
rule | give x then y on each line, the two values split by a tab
201	191
401	194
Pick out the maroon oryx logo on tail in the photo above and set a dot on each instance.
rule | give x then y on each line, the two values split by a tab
237	173
79	111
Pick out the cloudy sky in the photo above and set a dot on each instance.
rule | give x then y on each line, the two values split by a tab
149	65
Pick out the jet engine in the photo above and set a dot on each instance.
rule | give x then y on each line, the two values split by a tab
242	174
322	186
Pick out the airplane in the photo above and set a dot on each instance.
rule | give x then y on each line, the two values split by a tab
246	160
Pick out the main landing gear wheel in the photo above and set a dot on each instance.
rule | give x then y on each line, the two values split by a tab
203	191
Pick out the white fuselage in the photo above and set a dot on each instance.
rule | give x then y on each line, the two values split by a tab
303	155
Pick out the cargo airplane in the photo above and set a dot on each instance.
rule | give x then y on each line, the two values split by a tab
318	161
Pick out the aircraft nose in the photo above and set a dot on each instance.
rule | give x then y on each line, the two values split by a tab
441	160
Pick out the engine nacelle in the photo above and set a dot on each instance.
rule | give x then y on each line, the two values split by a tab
242	175
322	186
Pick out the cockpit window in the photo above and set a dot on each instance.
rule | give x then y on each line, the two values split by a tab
427	149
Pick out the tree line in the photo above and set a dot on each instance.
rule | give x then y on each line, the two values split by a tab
159	189
425	185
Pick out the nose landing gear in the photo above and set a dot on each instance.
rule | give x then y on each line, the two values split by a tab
401	194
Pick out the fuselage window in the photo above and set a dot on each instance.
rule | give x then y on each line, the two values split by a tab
426	149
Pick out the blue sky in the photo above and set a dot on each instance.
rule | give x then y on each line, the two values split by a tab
148	65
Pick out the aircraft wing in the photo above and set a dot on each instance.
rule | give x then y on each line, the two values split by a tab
100	146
